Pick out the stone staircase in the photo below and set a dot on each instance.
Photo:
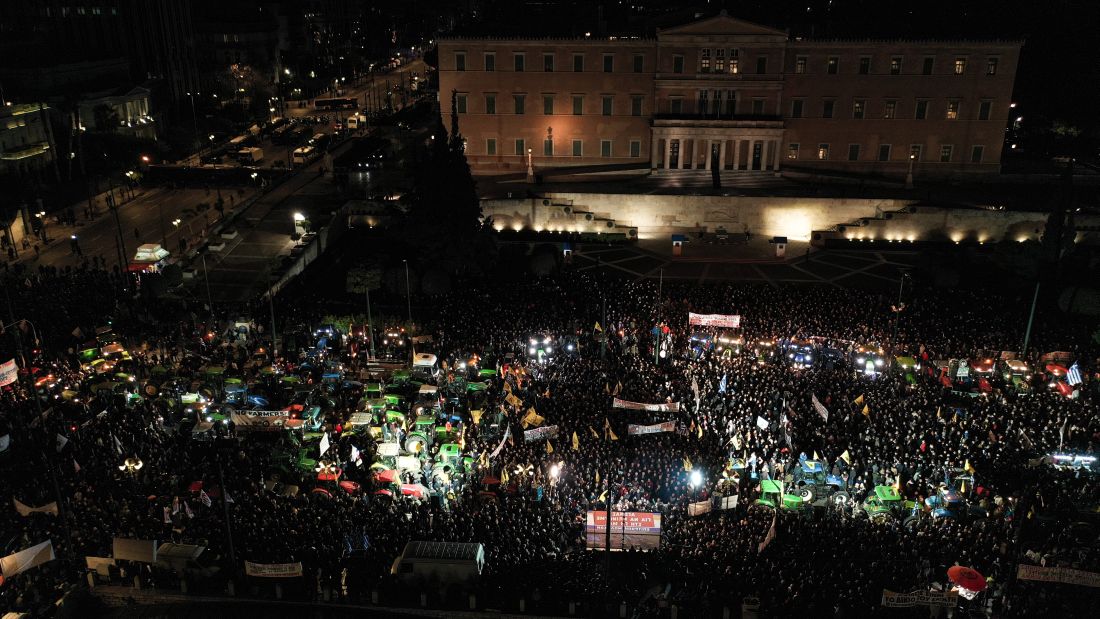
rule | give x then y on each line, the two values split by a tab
878	227
566	216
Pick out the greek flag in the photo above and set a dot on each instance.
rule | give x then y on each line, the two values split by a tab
1073	376
722	384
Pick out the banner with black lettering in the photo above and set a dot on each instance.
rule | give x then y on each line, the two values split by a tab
946	599
664	407
260	421
9	373
729	321
1064	575
273	570
657	428
538	434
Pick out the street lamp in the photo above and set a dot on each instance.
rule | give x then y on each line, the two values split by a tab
695	479
530	168
41	215
194	119
909	174
131	465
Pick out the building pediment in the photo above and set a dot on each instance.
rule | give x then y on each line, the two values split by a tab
721	25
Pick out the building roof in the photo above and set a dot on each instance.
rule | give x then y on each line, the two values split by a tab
722	24
443	551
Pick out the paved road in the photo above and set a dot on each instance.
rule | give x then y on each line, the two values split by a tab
368	91
141	221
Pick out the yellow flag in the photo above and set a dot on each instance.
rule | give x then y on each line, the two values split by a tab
968	468
606	388
866	410
532	418
962	486
699	429
547	393
816	457
845	457
939	415
687	463
603	495
897	484
595	434
504	476
598	327
476	416
549	448
597	476
611	433
514	401
576	442
618	388
859	400
507	387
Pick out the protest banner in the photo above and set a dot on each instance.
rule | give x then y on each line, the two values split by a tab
273	570
699	507
637	430
9	373
143	550
820	408
260	421
26	559
503	440
945	599
26	510
538	434
664	407
1063	575
729	321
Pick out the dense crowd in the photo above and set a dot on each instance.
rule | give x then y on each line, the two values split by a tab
913	435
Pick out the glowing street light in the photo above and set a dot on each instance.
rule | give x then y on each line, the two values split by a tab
695	479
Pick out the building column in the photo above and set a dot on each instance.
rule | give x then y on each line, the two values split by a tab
770	148
686	156
654	151
736	155
668	151
778	155
722	156
709	146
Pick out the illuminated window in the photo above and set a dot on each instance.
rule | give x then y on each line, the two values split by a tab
945	153
859	107
720	61
792	150
735	65
915	151
704	61
823	152
960	66
832	65
895	65
800	65
991	66
890	109
952	110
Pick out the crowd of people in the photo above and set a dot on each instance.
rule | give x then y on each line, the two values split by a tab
881	430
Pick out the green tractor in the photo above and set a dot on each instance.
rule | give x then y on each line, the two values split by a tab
884	503
772	495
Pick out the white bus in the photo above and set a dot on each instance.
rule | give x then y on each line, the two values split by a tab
302	155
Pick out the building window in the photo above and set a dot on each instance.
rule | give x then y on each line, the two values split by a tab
991	66
720	60
519	62
577	148
578	63
491	146
929	63
731	102
608	63
460	61
605	148
490	104
703	102
796	108
490	62
859	106
704	60
762	64
548	62
677	64
578	105
757	107
895	65
952	110
890	109
639	63
635	148
827	108
606	103
853	152
915	151
945	153
920	112
735	64
865	65
792	150
548	147
832	65
676	105
460	103
520	103
548	105
976	154
884	152
823	152
984	110
800	66
636	105
521	148
960	66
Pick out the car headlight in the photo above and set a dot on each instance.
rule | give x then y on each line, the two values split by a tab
546	341
549	349
531	350
878	362
790	356
859	360
533	341
809	358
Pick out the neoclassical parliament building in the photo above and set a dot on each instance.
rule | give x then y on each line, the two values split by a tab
722	92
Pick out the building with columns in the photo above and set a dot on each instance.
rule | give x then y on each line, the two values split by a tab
722	92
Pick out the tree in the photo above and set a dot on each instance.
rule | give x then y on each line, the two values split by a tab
105	118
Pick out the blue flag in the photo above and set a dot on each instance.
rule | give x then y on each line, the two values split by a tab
722	384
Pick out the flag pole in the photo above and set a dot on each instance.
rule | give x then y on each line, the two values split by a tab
1030	319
